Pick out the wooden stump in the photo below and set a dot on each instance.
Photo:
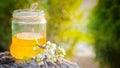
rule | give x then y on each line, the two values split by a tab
7	61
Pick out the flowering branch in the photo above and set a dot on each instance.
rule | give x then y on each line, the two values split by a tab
50	54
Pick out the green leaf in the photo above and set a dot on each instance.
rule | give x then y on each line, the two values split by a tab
25	58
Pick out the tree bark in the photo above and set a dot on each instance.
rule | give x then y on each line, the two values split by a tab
7	61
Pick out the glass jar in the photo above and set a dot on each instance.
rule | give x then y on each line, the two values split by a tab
27	26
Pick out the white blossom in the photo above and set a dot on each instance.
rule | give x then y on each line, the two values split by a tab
49	54
39	56
62	50
54	46
40	63
48	42
34	48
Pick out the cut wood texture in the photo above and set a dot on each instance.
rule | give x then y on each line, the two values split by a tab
7	61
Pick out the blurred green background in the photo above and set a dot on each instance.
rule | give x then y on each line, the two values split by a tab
69	22
105	26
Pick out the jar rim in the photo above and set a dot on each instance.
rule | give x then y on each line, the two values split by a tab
20	11
27	14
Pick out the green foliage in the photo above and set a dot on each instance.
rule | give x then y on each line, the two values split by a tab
5	32
105	24
60	22
6	9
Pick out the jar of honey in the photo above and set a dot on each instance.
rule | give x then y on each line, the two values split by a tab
27	26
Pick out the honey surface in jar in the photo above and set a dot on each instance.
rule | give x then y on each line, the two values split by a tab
23	44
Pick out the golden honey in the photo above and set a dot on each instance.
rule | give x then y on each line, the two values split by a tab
23	44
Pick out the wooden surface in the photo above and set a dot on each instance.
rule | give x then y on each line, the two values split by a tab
7	61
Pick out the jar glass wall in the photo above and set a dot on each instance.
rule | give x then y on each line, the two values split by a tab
27	26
